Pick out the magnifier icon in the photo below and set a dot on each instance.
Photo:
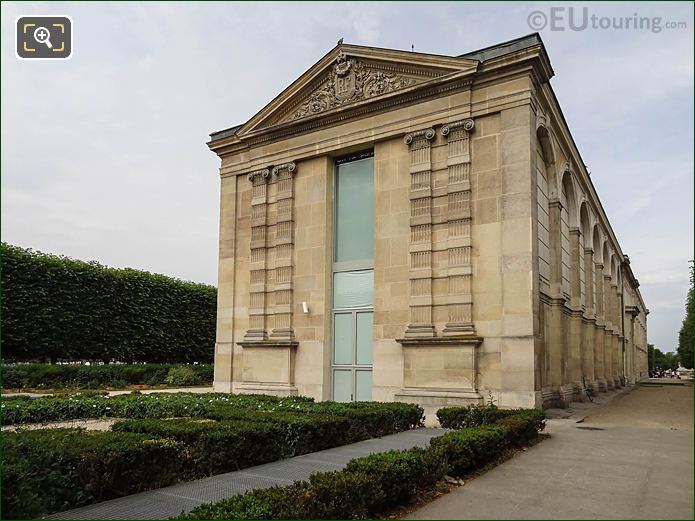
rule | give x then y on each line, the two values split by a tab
43	35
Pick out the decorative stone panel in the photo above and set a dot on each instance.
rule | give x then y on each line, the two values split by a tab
258	256
284	244
458	216
420	248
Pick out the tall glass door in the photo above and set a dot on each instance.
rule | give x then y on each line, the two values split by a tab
353	278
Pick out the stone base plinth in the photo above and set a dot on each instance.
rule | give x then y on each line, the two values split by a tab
431	400
265	388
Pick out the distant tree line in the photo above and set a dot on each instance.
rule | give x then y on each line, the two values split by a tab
685	337
659	360
54	307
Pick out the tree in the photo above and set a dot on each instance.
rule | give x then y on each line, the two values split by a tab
660	360
686	336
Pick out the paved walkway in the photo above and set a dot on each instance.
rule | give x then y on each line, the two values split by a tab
631	458
171	501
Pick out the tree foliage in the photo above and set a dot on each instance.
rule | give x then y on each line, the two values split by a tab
685	337
660	360
54	307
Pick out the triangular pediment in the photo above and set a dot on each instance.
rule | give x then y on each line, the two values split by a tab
351	76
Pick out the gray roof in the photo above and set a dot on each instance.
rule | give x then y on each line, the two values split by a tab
500	49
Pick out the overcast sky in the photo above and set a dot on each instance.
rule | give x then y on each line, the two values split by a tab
104	156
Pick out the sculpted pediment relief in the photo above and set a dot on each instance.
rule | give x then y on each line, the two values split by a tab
348	81
349	76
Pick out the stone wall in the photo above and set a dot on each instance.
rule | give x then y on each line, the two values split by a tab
496	272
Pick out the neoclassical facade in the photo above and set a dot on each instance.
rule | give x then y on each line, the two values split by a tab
421	228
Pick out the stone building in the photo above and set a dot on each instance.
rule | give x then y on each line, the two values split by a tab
406	226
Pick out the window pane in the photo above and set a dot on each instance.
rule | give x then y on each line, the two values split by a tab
363	386
354	215
365	321
353	289
342	338
342	385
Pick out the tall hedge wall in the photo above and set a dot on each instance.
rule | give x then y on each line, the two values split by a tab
59	308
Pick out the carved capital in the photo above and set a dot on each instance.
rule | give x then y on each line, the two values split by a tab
464	124
423	136
288	168
259	176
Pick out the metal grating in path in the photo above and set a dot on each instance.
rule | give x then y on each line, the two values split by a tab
170	501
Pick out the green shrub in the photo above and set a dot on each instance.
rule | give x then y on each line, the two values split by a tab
59	308
51	470
207	434
468	449
398	474
522	426
182	376
368	486
469	416
133	405
215	447
267	503
47	376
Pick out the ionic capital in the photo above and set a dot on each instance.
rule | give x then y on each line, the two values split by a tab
289	167
464	124
259	176
425	136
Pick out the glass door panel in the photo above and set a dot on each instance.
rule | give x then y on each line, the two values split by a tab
342	385
363	386
342	339
365	326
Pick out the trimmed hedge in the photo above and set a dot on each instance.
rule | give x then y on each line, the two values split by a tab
133	405
477	415
251	430
215	447
56	469
58	308
47	376
368	486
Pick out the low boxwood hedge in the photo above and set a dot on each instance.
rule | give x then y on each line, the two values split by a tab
56	469
368	486
212	433
134	405
477	415
214	447
53	376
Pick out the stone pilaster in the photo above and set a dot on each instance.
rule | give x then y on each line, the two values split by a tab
608	332
258	311
556	322
420	247
284	246
599	336
575	329
459	269
589	322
